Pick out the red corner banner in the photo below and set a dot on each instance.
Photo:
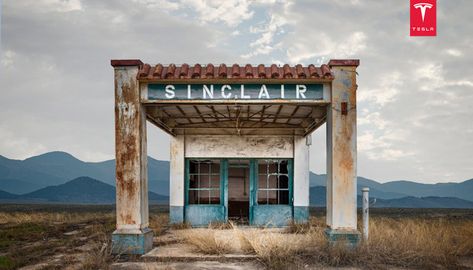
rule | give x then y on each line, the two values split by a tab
423	17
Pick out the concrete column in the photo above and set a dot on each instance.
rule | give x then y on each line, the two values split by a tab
177	169
301	180
132	235
341	154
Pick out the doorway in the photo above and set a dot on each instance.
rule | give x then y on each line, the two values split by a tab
239	190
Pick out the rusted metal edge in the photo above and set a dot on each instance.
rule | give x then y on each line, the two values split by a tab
246	128
125	62
237	80
344	62
160	125
316	125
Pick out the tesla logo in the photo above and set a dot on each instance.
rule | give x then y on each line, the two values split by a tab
423	18
423	7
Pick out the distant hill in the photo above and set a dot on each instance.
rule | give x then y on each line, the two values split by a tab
318	198
7	196
55	168
79	190
400	189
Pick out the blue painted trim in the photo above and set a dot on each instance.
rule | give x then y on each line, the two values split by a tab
253	188
132	243
186	183
176	214
301	214
350	239
224	186
272	215
290	174
200	215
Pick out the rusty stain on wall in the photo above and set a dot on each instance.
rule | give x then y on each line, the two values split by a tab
130	146
342	150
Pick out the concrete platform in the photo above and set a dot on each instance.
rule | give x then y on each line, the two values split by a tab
184	253
187	265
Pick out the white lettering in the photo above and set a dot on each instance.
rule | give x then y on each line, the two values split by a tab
208	92
300	90
226	86
170	91
282	90
263	92
189	91
243	92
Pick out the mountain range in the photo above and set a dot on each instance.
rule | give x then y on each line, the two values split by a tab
79	190
318	198
24	179
55	168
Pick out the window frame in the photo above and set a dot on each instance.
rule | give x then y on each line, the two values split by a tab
210	173
277	174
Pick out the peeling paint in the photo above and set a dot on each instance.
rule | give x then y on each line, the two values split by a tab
341	151
239	146
130	151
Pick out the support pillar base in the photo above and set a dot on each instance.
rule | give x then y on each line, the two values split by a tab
176	214
132	242
347	238
301	214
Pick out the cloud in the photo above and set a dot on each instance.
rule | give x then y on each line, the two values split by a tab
231	12
51	5
414	95
265	43
386	91
454	52
161	4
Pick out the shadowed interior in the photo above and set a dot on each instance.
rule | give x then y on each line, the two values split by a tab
238	190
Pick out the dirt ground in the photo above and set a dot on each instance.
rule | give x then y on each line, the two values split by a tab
78	237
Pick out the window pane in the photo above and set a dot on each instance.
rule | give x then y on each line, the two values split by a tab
283	166
193	196
273	174
215	181
262	198
204	174
284	197
204	167
262	181
215	197
193	181
193	166
273	166
262	167
215	166
283	181
272	197
204	196
273	181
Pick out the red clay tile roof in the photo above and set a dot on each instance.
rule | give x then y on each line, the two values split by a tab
210	71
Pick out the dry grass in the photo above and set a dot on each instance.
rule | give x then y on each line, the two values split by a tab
32	234
409	243
50	217
406	241
207	241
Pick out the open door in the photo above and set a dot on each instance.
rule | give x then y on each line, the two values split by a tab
239	190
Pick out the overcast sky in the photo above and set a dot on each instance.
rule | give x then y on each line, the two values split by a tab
415	94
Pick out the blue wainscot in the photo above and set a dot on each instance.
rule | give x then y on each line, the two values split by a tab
203	215
272	215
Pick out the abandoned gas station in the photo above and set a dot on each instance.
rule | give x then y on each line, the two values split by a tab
240	138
